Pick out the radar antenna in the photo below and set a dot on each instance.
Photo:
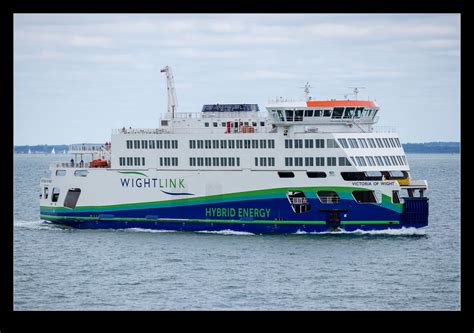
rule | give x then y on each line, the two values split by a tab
356	90
172	99
306	91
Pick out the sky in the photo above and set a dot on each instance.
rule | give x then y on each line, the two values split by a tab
78	76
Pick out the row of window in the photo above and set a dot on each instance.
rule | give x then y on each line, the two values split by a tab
231	144
234	124
214	161
152	144
370	143
129	161
310	143
336	113
168	161
316	161
379	160
265	161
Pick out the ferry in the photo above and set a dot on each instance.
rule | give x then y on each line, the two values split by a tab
301	166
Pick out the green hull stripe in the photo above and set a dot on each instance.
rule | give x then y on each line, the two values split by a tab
85	218
344	193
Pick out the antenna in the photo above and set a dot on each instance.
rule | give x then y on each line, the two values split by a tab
306	91
172	99
356	90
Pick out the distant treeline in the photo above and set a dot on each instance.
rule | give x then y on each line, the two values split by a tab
427	147
40	149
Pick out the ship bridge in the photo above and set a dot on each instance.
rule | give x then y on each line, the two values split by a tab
327	115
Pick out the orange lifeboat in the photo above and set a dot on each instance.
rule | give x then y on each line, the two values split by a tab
98	164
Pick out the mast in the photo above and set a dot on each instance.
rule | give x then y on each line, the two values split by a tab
172	100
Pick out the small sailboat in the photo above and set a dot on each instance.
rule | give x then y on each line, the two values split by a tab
53	152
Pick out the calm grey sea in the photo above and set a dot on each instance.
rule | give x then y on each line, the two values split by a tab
66	269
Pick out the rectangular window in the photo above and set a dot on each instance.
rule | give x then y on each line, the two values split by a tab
121	161
215	161
192	161
256	161
200	161
315	174
332	143
159	144
238	161
223	161
398	142
308	113
136	144
288	161
394	160
298	161
337	113
192	144
231	144
255	144
215	143
308	143
143	161
298	143
361	160
385	141
379	161
288	143
399	159
263	144
327	113
343	161
207	144
331	161
231	161
353	160
263	161
353	143
271	144
145	144
207	161
239	144
387	160
247	144
151	143
319	143
271	161
174	161
129	161
129	144
289	115
167	144
308	161
319	161
223	144
200	144
174	144
72	197
137	160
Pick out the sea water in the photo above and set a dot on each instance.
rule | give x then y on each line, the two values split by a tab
59	268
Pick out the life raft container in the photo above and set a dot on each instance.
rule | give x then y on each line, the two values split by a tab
98	163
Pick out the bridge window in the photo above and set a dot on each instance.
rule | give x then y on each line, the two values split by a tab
299	115
280	115
337	113
308	113
349	113
364	196
328	197
72	197
289	115
327	113
358	112
317	113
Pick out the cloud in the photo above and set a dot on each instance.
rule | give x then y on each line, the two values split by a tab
89	41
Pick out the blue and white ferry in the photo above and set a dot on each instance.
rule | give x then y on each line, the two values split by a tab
301	166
